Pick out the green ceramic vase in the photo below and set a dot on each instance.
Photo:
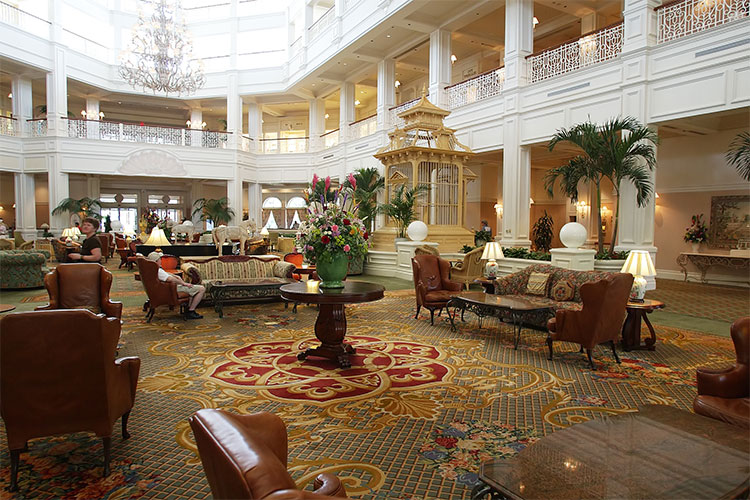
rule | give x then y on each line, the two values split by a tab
332	272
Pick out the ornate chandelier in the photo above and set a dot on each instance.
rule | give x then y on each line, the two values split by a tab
159	56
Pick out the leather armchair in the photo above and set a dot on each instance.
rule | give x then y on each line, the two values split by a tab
431	283
58	375
76	286
132	257
160	293
122	250
245	456
107	242
470	269
600	320
725	394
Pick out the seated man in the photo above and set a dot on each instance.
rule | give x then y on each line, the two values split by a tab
91	250
196	292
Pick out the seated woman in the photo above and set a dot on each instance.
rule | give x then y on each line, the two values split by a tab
91	250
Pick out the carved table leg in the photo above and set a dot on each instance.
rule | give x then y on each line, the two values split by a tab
650	342
631	330
330	329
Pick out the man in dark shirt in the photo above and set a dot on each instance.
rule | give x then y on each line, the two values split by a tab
91	250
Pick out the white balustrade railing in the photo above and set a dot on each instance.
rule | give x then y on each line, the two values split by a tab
330	139
596	47
686	17
9	126
295	47
149	134
247	144
478	88
284	145
402	107
322	23
364	127
10	14
37	127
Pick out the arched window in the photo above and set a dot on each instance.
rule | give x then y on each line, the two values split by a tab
293	207
272	211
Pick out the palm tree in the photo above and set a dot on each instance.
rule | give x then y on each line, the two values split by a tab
85	207
369	184
401	206
739	154
622	149
216	210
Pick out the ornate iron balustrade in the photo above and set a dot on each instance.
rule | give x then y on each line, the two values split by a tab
284	145
395	120
37	127
27	21
9	126
597	46
322	23
148	134
330	139
478	88
685	17
364	127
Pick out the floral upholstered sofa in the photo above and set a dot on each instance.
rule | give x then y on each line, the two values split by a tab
23	268
262	275
516	284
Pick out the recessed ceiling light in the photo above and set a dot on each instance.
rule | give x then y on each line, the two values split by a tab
313	84
344	64
361	91
119	102
327	116
356	102
387	36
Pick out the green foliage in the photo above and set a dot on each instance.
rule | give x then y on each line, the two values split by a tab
482	237
368	183
466	248
738	154
216	210
107	224
401	206
525	253
84	207
607	255
542	232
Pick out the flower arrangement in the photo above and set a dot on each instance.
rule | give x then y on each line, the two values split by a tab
697	232
331	228
151	218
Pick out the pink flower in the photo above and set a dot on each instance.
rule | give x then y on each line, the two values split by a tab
328	182
347	248
352	181
315	180
334	228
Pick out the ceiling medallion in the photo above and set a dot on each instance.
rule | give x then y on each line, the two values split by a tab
159	56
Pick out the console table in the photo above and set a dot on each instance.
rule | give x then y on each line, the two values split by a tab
184	250
705	260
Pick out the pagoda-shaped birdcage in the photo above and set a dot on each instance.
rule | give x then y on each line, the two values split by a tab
426	152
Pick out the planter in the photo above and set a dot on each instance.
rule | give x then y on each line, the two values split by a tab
612	266
696	247
332	272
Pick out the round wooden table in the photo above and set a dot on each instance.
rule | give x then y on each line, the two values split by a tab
631	330
4	308
330	327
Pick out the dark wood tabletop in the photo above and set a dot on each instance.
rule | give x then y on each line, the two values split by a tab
4	308
309	292
647	304
506	301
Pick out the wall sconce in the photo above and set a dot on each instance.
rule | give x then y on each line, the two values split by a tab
531	201
453	58
187	123
499	209
581	210
397	84
606	217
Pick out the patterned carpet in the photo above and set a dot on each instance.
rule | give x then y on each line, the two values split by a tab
722	303
418	411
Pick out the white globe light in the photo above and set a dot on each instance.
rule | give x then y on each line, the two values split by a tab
573	235
417	231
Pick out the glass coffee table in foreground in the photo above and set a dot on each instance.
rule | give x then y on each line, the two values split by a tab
657	452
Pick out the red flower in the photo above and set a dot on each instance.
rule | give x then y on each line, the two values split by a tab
325	239
366	235
446	442
347	222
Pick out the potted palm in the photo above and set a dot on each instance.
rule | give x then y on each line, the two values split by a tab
84	207
542	233
365	184
214	210
401	207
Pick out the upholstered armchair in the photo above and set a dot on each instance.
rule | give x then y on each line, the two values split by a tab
106	241
469	269
600	320
725	394
81	286
58	375
61	250
245	456
160	293
26	245
431	283
132	257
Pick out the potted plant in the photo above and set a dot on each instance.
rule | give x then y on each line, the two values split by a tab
697	233
542	233
217	211
401	208
365	184
332	234
84	207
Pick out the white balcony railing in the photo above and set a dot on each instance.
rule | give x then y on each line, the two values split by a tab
26	21
284	145
478	88
330	139
37	127
247	144
597	46
322	23
395	120
148	134
295	47
685	17
364	127
8	126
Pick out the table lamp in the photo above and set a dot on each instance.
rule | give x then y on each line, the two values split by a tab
76	233
639	264
264	233
492	251
158	239
67	235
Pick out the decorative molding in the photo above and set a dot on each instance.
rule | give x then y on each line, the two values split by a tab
726	46
702	188
569	89
695	277
152	162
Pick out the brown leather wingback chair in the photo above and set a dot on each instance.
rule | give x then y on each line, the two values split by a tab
58	374
431	283
122	250
725	394
599	321
104	240
160	293
76	286
245	456
132	257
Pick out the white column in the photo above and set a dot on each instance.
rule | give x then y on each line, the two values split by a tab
25	205
386	92
233	29
346	110
57	94
92	113
234	112
255	124
23	108
254	201
591	22
440	66
519	41
640	27
196	124
234	194
59	189
316	123
516	189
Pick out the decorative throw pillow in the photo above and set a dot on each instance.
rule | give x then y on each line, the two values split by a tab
537	284
563	291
